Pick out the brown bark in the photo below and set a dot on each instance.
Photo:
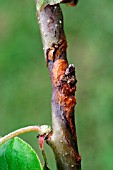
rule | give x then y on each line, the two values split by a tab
63	139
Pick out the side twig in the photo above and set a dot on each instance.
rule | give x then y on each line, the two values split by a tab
40	129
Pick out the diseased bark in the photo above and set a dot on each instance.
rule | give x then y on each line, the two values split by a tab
63	139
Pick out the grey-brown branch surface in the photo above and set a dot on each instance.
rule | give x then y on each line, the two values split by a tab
63	138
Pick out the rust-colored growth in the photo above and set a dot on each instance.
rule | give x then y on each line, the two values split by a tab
66	98
59	68
64	82
67	89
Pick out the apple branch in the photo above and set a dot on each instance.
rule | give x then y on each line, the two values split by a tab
63	138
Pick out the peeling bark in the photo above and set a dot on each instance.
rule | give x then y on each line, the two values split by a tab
63	139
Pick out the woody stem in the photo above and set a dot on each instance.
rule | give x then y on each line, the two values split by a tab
63	139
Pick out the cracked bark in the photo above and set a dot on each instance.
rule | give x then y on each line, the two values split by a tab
63	139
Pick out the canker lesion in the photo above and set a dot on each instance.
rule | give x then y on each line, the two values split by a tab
63	84
56	50
65	96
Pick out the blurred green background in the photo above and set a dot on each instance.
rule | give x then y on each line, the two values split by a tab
25	89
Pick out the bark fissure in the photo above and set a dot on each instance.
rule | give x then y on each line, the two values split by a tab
63	139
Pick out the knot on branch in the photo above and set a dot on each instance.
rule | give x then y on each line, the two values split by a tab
68	82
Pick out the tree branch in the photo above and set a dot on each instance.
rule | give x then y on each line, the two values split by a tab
63	139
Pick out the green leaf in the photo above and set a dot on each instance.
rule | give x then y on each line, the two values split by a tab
16	154
40	4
